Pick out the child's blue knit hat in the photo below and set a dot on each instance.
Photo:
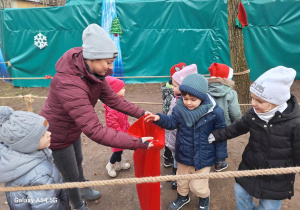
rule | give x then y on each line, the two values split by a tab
196	85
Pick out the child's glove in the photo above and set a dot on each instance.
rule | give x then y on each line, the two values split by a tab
211	138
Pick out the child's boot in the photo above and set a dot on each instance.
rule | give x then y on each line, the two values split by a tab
203	203
179	202
168	162
111	169
122	166
220	166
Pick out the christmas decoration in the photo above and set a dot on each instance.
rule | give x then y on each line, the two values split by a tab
241	19
40	41
109	13
116	27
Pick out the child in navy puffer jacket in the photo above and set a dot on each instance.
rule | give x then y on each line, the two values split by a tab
195	116
177	78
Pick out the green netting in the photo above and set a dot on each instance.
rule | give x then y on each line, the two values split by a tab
156	35
273	35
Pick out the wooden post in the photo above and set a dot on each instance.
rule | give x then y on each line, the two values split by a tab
29	99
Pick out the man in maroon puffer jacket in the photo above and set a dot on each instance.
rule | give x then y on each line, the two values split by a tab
69	108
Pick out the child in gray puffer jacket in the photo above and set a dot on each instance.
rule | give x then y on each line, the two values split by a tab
25	160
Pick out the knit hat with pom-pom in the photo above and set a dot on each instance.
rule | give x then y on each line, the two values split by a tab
20	130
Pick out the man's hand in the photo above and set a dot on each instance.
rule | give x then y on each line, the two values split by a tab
152	117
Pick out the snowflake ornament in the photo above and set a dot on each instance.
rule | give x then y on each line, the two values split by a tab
40	41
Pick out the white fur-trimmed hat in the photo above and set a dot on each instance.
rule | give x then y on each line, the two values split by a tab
274	85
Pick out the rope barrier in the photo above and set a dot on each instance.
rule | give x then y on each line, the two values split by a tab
30	98
145	77
228	174
241	73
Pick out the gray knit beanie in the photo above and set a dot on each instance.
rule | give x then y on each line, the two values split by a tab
20	130
97	44
195	84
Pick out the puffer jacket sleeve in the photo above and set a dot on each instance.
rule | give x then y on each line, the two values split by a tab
111	99
296	145
234	110
76	100
236	129
168	121
170	135
221	147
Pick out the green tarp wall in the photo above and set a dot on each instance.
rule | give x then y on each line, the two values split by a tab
157	34
273	35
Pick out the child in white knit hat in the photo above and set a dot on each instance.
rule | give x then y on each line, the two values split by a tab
25	160
195	116
274	142
221	87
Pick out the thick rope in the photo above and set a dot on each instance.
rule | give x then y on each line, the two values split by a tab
43	97
31	97
241	73
205	75
228	174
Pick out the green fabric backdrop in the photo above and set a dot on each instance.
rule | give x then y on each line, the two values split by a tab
273	35
156	35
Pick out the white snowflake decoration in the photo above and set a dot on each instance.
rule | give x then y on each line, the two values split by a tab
40	41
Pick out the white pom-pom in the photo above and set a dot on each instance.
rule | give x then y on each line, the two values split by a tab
5	112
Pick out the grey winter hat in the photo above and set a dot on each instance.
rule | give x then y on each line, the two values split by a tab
274	85
97	44
20	130
195	84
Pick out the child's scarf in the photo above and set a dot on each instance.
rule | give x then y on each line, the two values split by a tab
190	117
267	116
